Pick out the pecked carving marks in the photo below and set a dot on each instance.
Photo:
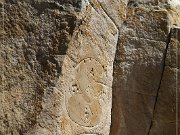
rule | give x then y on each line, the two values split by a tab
82	112
83	104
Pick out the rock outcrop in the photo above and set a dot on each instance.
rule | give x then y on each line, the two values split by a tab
145	87
89	67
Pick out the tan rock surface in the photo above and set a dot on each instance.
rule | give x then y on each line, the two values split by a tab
167	106
144	89
57	63
89	67
137	70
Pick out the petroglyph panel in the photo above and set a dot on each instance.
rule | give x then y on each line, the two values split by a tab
83	103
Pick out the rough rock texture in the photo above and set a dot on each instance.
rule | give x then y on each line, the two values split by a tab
167	103
145	87
34	36
66	63
137	69
57	64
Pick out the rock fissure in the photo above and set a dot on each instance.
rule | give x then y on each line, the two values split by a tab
108	15
160	82
114	100
89	67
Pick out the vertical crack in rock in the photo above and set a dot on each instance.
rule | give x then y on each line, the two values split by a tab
84	106
118	41
114	124
105	11
138	77
44	91
163	69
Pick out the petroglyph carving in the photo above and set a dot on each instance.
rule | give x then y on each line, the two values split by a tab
83	103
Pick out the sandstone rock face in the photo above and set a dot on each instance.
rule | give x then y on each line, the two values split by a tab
137	69
33	37
57	64
167	104
89	67
145	87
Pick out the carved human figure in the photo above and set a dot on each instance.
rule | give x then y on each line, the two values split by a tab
83	105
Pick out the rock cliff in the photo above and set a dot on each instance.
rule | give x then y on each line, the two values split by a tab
89	67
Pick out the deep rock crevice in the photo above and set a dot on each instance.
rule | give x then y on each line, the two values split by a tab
160	82
65	63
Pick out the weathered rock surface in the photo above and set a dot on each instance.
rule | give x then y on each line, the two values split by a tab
137	70
145	88
33	36
57	64
167	104
66	63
